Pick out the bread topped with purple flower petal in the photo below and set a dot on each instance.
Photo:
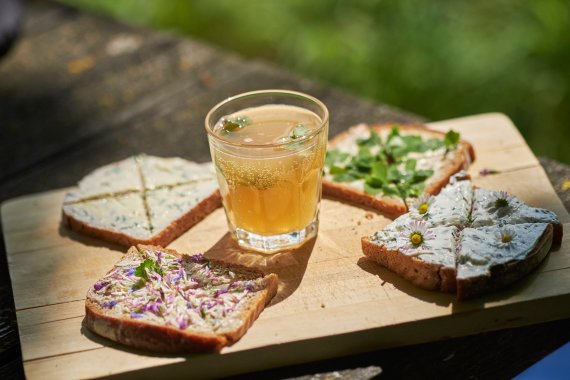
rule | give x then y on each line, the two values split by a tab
386	166
160	300
466	240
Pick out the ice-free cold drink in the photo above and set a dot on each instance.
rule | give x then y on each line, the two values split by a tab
269	160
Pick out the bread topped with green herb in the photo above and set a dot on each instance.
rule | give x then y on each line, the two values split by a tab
142	200
386	166
469	241
161	300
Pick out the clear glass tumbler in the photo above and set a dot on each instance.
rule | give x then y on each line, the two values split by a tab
269	149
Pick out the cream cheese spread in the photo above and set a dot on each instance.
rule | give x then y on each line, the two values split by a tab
484	247
468	228
160	172
140	196
122	213
191	292
165	205
120	177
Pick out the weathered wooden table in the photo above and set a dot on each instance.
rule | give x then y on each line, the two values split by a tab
79	91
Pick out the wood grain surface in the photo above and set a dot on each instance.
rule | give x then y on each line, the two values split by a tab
331	301
66	110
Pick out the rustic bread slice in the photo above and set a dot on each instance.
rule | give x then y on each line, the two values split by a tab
160	300
116	178
429	265
493	257
492	243
444	164
498	207
168	196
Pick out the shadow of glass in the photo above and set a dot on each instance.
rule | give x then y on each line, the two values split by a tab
290	266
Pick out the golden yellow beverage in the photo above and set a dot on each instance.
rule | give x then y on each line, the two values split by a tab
269	161
274	190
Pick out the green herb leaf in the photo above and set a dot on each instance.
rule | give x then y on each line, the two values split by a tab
299	131
151	266
394	174
451	140
336	170
411	164
234	124
372	140
345	177
372	190
379	170
333	156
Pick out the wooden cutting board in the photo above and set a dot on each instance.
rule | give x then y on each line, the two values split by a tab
331	301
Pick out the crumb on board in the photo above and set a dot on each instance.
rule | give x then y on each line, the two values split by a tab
369	215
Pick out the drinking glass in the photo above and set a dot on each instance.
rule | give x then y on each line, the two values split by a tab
269	148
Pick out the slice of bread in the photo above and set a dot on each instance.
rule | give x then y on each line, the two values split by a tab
485	263
465	241
160	300
443	163
142	200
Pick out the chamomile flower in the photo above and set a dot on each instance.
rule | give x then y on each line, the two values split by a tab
505	236
415	236
420	208
501	202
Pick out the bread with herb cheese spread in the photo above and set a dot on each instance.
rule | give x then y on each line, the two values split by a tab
160	300
142	199
466	240
368	164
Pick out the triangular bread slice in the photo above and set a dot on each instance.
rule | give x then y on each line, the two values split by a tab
429	266
161	300
444	164
167	196
463	243
485	262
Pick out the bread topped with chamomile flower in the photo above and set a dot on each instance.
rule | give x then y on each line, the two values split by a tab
161	300
466	240
387	166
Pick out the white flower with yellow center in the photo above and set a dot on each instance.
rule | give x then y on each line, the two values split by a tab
420	208
501	202
505	237
415	236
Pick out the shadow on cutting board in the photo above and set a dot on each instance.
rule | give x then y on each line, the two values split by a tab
388	278
290	266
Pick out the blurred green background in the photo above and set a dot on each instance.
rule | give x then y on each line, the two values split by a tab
438	59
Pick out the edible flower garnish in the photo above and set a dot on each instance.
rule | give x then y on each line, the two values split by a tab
505	236
420	208
486	171
180	291
416	235
500	202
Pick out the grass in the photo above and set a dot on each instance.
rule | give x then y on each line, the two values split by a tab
438	59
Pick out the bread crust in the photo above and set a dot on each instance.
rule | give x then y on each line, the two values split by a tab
152	336
505	274
438	277
391	206
175	229
420	273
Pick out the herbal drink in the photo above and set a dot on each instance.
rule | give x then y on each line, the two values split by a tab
269	160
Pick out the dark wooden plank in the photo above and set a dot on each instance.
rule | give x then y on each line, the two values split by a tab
42	16
50	101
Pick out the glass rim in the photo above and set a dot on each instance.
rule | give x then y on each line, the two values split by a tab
245	95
